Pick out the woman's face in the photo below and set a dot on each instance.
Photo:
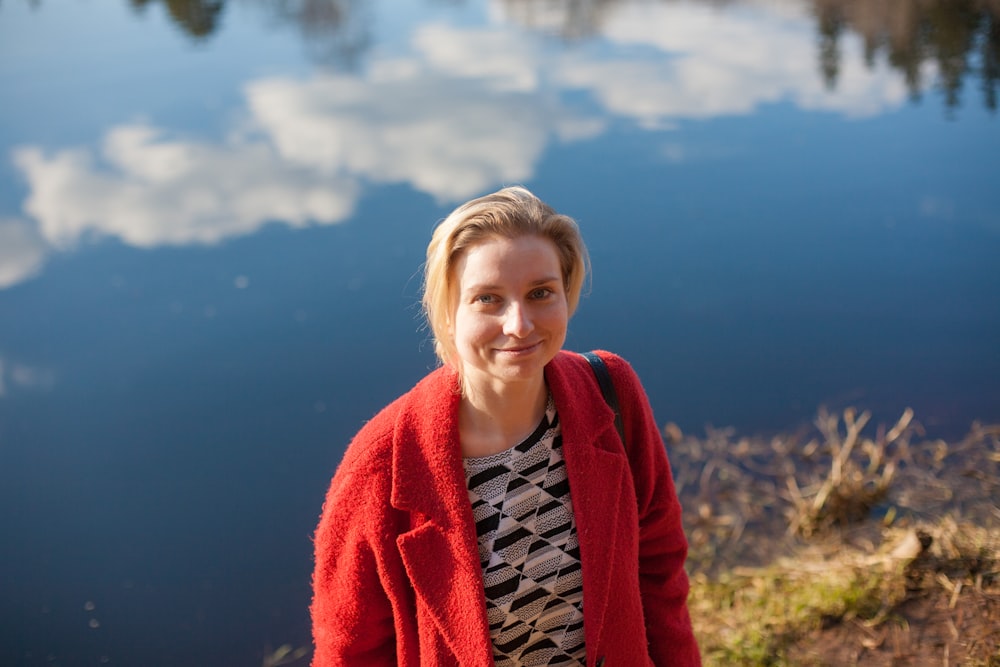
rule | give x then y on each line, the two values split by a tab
512	313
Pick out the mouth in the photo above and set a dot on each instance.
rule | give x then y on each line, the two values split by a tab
520	349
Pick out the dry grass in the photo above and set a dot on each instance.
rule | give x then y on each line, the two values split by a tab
851	487
848	541
285	655
776	615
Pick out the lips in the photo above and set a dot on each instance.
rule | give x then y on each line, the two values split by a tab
522	349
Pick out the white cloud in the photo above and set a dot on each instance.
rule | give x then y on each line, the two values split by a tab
305	148
503	58
152	191
449	137
313	142
22	252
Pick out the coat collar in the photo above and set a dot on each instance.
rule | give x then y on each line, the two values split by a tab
428	481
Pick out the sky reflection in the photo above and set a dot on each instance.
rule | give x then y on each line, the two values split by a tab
459	110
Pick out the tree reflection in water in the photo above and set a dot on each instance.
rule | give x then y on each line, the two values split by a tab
961	37
334	31
198	18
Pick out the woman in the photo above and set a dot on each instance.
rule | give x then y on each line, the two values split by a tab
492	514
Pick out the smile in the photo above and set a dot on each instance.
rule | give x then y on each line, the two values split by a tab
527	349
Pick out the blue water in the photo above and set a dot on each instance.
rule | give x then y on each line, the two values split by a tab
210	250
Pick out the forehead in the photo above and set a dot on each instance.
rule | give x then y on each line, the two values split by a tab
502	260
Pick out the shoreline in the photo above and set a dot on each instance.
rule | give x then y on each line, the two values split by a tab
850	543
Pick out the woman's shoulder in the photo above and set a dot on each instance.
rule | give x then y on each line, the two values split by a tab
612	359
621	370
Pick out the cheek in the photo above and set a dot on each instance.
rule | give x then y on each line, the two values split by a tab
472	327
557	317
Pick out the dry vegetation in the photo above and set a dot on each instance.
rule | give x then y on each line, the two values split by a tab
284	655
847	545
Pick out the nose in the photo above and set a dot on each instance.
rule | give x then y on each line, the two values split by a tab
517	320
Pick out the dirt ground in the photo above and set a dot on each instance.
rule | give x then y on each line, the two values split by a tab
749	502
925	630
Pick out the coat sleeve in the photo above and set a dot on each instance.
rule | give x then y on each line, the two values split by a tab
352	615
663	581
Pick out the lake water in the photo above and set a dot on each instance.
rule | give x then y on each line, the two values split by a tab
213	214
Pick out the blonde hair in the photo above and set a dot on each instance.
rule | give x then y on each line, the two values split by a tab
509	213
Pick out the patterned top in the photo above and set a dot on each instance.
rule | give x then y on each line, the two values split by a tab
528	550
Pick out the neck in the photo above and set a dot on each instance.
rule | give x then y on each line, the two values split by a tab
493	418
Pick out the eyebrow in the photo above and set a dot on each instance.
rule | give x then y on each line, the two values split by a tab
534	283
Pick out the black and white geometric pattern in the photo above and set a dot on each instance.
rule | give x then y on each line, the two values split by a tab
529	551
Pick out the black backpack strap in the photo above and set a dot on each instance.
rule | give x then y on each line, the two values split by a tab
607	388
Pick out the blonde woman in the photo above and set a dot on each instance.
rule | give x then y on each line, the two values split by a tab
493	515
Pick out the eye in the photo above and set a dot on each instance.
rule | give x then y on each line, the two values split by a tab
540	293
486	299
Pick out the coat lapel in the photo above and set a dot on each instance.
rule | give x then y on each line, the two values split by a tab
440	552
597	469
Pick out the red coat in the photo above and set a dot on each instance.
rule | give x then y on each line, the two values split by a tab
398	579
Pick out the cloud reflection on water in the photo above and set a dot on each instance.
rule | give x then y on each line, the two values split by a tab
721	64
22	252
152	190
465	110
405	124
16	375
